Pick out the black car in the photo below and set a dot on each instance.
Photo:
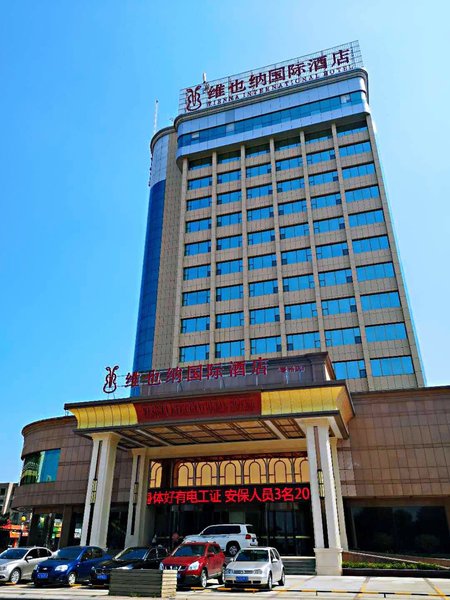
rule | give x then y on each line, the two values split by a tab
135	557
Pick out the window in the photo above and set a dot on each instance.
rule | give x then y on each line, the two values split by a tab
200	225
228	349
350	369
399	365
342	337
364	193
298	282
322	178
339	306
261	237
266	261
337	277
257	150
40	467
358	171
287	144
265	345
260	288
317	157
351	129
303	341
289	208
195	184
195	297
326	225
228	157
332	250
386	333
326	201
229	176
229	197
197	248
379	271
259	170
319	136
264	315
289	163
226	320
196	272
198	203
378	301
366	218
194	324
233	241
229	219
355	149
258	191
266	212
226	267
291	257
191	353
199	163
294	231
306	310
290	185
229	292
372	244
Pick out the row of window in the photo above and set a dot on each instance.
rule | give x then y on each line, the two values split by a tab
381	367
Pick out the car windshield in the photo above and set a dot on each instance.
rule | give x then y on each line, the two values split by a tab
252	556
13	553
190	550
131	554
69	553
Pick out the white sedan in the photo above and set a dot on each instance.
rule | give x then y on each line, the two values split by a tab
261	567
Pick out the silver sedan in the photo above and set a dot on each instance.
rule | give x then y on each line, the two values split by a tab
261	567
18	563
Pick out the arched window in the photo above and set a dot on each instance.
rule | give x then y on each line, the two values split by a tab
184	474
301	470
155	474
282	474
230	473
204	475
255	471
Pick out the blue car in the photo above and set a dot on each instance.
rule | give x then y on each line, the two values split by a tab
68	566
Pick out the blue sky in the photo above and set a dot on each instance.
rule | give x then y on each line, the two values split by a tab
79	81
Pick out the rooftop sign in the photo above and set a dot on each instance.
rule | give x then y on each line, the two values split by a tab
274	77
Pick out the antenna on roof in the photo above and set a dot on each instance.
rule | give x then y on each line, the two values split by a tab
204	78
155	120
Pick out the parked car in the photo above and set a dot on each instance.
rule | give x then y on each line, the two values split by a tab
260	567
231	538
135	557
196	562
18	563
68	566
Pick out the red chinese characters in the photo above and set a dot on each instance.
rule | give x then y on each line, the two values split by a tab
232	495
236	85
216	91
278	74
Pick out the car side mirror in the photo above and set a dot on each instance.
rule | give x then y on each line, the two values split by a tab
210	554
27	558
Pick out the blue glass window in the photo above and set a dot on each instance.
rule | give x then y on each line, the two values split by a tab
287	144
318	136
298	282
257	150
351	129
265	345
303	341
290	185
372	191
326	201
261	288
358	171
366	218
195	184
200	225
317	157
342	337
332	250
194	324
379	271
259	170
337	277
350	369
291	257
232	241
229	197
229	292
229	219
378	301
226	267
305	310
261	237
197	272
192	353
199	203
228	349
289	208
265	261
228	157
226	320
322	178
229	176
291	231
326	225
264	315
195	297
386	333
355	149
289	163
338	306
372	244
200	163
399	365
197	248
259	191
254	214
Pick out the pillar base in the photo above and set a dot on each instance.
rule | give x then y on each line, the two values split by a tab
328	561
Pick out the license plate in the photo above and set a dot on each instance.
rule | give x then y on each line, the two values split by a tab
102	576
42	575
241	578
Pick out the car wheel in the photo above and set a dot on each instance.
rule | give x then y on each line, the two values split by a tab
269	582
283	578
15	576
204	579
72	578
233	548
220	577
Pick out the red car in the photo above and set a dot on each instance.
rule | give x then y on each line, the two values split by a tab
196	562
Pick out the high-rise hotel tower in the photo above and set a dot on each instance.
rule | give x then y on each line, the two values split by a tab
269	231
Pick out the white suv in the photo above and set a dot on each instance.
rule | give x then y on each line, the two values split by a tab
231	538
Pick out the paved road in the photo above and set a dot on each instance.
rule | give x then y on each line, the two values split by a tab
298	588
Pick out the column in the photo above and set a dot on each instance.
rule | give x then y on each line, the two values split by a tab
138	512
314	485
339	501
